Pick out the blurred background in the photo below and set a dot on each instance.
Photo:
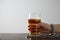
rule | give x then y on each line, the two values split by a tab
14	13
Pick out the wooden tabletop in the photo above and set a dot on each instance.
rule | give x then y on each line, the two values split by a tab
18	36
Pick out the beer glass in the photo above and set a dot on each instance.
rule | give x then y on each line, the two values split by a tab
33	20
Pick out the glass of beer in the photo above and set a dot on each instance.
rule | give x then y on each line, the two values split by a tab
33	20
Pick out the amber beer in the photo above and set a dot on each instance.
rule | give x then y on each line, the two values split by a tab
34	30
34	21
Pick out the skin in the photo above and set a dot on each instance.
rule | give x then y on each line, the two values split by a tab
44	27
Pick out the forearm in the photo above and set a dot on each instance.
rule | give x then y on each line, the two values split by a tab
56	27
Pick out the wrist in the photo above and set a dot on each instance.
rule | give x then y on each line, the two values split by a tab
57	28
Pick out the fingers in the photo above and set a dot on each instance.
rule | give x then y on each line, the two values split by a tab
41	27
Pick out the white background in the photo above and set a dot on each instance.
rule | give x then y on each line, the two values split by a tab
14	13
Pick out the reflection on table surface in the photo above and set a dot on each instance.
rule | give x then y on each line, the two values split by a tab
53	36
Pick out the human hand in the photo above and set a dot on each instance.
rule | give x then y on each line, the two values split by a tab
41	27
